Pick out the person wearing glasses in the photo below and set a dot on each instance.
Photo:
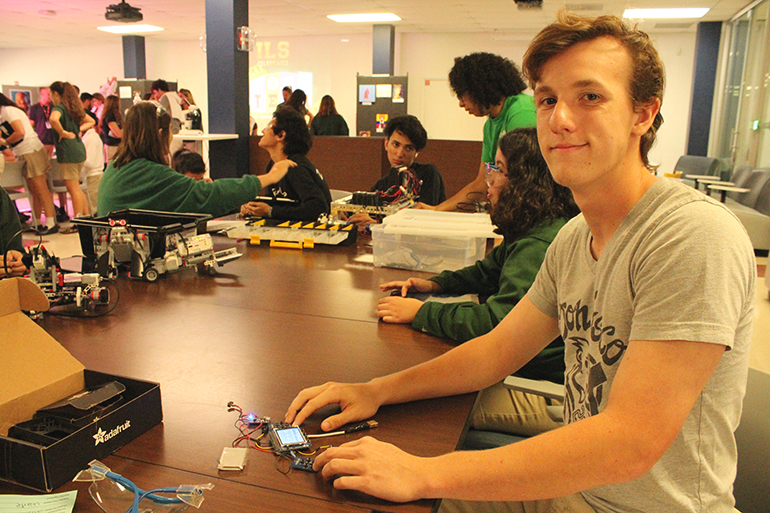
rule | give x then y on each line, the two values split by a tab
528	209
139	175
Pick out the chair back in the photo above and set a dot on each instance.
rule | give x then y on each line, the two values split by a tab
753	438
740	175
763	201
755	182
696	165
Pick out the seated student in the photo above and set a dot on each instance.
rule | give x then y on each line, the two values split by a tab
287	137
405	137
529	209
190	164
652	288
139	177
11	249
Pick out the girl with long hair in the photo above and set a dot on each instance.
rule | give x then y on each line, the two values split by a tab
112	125
138	176
328	121
68	119
297	101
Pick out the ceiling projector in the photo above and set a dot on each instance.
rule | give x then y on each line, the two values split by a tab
529	4
123	12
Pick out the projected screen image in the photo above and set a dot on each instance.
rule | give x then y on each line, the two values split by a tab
265	89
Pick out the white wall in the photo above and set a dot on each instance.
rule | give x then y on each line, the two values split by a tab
334	65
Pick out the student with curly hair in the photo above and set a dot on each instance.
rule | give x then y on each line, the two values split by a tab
488	85
528	209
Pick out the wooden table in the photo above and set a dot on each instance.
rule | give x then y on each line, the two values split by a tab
268	325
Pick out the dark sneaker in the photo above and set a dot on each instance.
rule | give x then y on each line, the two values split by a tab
43	230
61	214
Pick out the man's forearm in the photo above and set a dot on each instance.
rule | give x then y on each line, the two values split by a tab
477	186
475	364
581	456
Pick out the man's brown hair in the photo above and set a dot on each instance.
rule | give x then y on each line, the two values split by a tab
647	80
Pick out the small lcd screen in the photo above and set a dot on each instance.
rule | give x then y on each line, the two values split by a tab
290	436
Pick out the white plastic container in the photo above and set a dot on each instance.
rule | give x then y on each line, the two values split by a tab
428	241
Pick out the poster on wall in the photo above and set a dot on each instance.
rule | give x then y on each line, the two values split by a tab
398	93
382	121
366	93
22	98
384	90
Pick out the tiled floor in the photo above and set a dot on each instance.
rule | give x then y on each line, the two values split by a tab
68	245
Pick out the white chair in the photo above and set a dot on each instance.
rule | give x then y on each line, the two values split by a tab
56	183
14	181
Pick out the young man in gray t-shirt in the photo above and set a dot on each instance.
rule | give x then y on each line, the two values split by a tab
652	289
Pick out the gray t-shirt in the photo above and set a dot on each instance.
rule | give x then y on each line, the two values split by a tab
679	267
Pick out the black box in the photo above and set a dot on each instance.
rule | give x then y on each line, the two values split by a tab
46	468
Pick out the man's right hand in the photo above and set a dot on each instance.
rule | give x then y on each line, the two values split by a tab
418	284
423	206
358	401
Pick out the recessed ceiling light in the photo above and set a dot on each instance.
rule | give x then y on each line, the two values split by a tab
361	18
130	29
692	12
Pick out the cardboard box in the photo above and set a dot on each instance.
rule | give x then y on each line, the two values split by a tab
36	371
428	241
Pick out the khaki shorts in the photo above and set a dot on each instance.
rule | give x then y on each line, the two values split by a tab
38	163
70	170
568	504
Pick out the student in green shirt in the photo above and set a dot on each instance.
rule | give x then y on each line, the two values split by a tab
528	209
488	85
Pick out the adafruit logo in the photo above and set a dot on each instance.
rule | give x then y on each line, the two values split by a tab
102	436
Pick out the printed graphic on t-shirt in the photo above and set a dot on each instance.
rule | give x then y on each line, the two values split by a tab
596	350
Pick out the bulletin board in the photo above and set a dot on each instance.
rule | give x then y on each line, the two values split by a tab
379	99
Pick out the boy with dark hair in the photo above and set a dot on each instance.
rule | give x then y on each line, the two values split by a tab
171	102
405	137
489	85
652	289
190	164
287	139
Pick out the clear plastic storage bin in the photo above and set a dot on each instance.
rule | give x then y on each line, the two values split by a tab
431	241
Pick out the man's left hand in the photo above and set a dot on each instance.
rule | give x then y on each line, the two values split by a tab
375	468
